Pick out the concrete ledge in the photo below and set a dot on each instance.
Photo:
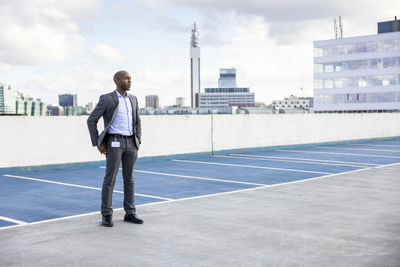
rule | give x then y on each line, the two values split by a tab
88	164
34	141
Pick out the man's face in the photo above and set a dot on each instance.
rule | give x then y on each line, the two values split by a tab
125	81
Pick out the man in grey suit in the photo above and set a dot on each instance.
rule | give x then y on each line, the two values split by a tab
119	141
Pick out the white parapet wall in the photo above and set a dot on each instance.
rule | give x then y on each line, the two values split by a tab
259	130
31	141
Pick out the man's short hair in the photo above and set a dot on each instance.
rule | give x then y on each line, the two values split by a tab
118	74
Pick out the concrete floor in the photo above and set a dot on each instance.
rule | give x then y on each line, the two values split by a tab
349	219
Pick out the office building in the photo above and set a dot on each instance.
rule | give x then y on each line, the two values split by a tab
89	107
68	100
31	106
20	104
174	110
256	110
227	78
15	103
358	74
293	102
389	26
227	94
225	97
152	101
73	111
38	107
194	66
7	99
55	110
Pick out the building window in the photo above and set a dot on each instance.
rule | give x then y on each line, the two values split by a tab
362	82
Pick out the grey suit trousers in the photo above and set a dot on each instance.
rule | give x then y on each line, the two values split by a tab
127	153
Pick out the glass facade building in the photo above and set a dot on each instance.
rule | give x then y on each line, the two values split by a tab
225	97
357	74
15	103
8	99
227	78
226	94
389	26
152	101
73	111
68	100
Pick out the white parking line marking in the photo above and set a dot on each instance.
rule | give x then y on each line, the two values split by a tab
311	160
79	186
337	153
389	165
248	166
281	160
12	220
373	145
199	197
362	149
199	178
195	177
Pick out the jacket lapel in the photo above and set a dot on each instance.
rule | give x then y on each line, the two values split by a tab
133	103
116	103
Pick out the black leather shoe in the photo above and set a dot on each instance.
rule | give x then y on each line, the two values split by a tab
107	221
133	218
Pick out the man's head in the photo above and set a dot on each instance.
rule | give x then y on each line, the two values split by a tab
123	80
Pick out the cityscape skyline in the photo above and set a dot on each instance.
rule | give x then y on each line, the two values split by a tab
86	43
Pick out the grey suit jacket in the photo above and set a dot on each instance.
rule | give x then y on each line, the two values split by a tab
108	109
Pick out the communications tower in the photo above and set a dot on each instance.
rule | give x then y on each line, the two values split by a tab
194	67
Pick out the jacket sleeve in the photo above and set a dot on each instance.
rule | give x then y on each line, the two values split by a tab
138	126
94	118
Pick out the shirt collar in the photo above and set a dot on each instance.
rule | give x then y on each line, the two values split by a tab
119	95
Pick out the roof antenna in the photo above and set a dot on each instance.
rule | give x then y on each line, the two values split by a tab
341	27
335	28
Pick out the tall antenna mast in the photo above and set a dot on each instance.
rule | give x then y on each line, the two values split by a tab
335	28
341	27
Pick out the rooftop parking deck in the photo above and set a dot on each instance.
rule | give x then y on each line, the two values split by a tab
319	205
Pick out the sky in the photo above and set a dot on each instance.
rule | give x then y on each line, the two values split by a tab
50	47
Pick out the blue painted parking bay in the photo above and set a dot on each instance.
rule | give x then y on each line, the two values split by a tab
34	196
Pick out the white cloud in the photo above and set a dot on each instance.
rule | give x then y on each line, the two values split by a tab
289	19
106	52
36	32
269	42
271	70
4	67
167	84
82	79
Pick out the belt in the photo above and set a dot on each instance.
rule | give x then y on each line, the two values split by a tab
120	135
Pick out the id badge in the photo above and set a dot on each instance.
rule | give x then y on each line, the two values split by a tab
115	144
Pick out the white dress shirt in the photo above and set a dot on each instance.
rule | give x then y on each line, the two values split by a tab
122	123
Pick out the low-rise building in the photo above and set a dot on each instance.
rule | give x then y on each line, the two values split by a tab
227	94
15	103
174	110
293	103
55	110
256	110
